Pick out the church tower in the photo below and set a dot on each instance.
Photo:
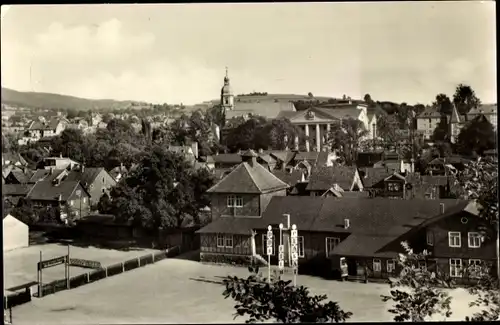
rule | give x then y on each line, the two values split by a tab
226	95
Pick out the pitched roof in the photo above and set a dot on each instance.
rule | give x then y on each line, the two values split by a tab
248	179
429	112
284	155
88	176
46	191
290	178
227	158
44	174
266	108
455	117
49	125
322	178
20	176
371	176
484	109
363	245
15	189
340	112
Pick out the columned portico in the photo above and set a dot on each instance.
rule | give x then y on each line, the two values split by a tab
307	137
318	139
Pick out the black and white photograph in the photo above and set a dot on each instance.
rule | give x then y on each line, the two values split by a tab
280	162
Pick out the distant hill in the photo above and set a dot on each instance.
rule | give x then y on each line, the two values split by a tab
55	101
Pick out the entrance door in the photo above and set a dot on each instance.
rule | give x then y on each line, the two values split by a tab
352	267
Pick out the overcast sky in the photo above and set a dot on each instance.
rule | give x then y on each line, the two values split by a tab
399	51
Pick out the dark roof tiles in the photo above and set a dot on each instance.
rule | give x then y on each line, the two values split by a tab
323	178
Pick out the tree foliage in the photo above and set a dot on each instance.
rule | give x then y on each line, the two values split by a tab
443	104
279	301
386	129
345	138
163	191
477	136
441	132
465	99
416	292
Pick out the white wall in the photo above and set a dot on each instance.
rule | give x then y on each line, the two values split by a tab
15	234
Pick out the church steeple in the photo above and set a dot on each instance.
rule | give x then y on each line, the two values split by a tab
227	96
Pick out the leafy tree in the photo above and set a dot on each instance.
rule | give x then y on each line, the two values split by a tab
104	204
281	134
417	292
368	98
477	136
465	99
441	132
310	95
479	181
249	135
162	192
216	115
386	129
443	104
345	138
26	212
418	108
279	301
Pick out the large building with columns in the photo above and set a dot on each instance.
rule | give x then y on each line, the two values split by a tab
316	123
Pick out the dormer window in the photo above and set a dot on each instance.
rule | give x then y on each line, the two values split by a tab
234	201
310	115
393	187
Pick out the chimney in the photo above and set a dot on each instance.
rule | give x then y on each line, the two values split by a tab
442	207
346	223
250	157
287	217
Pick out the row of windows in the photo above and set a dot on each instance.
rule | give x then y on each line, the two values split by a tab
72	202
455	239
234	201
390	266
456	267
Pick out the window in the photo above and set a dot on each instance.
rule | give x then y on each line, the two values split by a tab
331	243
300	245
475	268
391	266
227	101
103	179
393	187
455	267
377	265
71	202
264	244
234	201
220	240
84	200
430	238
474	240
228	239
454	239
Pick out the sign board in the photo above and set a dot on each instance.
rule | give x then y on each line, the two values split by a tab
281	265
295	256
269	235
281	249
294	241
281	257
85	263
294	233
269	243
52	262
295	264
294	249
269	250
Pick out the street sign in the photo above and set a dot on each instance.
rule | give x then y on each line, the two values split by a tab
270	250
52	262
295	263
294	233
295	256
85	263
281	265
269	243
281	256
281	248
295	241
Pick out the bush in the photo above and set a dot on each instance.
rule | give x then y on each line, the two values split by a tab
97	275
115	269
131	264
146	259
77	281
241	260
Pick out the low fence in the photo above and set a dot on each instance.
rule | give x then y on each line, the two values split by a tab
114	269
16	299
